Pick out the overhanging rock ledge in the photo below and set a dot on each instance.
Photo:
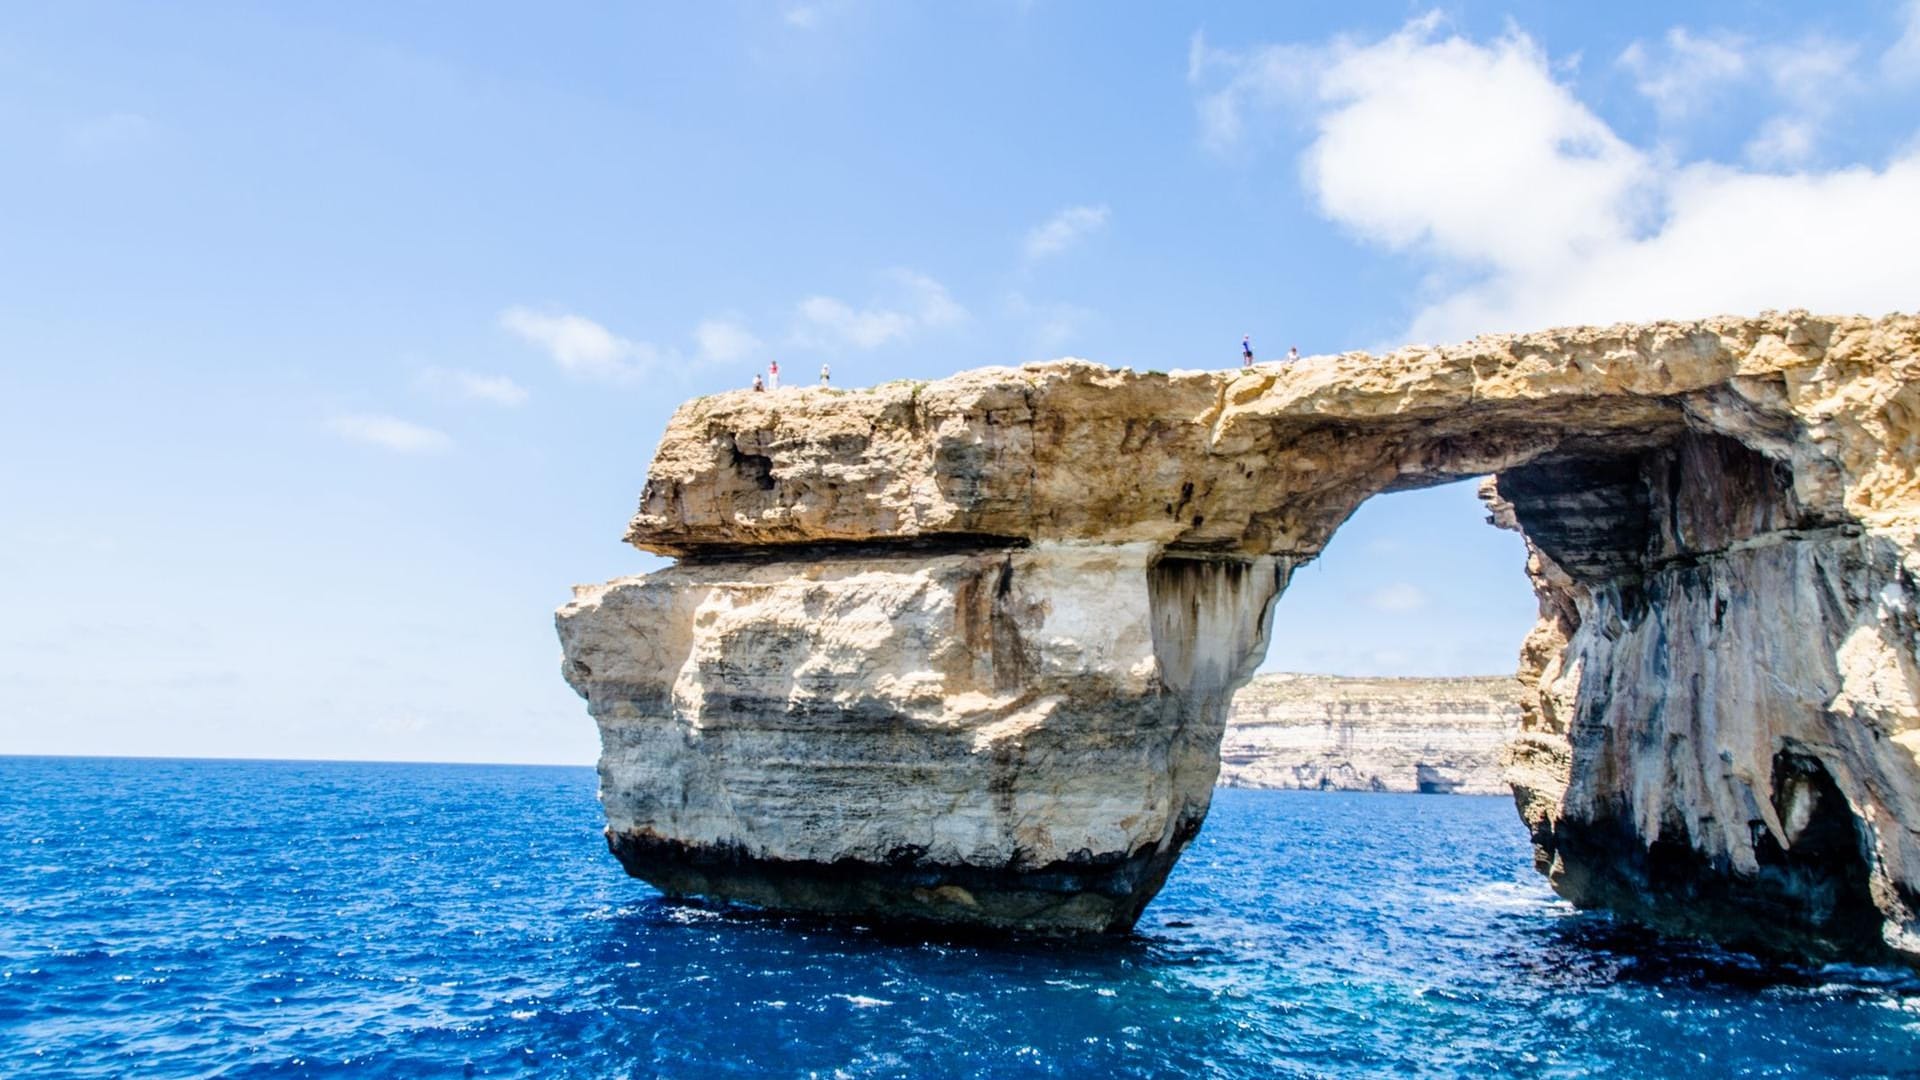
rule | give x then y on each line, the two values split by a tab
961	651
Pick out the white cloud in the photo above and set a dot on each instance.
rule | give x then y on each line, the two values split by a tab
1065	229
1845	241
495	389
1529	211
1471	151
581	346
1399	596
722	341
390	433
920	303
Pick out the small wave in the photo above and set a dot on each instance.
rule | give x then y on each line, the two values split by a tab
1508	896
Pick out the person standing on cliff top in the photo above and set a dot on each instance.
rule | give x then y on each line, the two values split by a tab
1246	350
826	376
773	374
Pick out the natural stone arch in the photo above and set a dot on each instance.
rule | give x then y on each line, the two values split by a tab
962	651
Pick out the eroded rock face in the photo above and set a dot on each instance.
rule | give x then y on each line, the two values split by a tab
1730	747
961	651
1021	737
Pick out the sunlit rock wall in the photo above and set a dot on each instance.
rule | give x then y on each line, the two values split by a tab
1022	737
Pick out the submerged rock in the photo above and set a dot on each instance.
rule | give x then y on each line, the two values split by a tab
963	651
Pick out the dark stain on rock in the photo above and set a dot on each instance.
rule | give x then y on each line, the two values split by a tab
1086	892
1008	651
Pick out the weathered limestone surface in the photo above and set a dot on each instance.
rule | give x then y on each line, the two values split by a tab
963	651
1327	733
1015	736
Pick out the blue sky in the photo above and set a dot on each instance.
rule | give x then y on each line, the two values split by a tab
335	339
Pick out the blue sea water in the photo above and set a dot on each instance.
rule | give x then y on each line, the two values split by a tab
199	918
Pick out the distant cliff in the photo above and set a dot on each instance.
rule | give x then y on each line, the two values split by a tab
1324	732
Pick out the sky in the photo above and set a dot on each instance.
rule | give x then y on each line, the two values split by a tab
335	339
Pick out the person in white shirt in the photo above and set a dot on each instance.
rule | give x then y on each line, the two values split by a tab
825	375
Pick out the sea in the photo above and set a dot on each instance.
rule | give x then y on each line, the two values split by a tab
250	918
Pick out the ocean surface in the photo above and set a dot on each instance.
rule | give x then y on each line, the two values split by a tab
199	918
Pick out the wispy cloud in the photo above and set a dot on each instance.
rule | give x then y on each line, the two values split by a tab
818	14
864	328
723	341
1528	210
493	389
1805	80
1262	78
110	134
1901	61
1397	597
916	302
1064	229
1683	74
932	305
1051	324
909	303
390	433
580	346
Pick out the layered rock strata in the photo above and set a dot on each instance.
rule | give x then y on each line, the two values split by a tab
1327	733
963	651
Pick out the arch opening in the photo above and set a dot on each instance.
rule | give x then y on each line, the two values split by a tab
1663	766
1390	666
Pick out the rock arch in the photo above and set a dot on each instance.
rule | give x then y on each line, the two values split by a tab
962	651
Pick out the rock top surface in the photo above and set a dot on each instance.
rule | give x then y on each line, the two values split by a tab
1270	459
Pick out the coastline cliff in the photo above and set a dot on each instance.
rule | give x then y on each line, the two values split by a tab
962	652
1331	733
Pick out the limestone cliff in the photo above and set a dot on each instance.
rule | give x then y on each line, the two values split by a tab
1327	733
962	651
